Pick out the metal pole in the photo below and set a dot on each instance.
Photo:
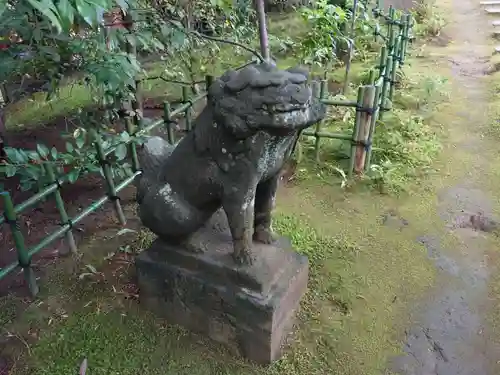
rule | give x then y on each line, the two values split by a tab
264	39
351	45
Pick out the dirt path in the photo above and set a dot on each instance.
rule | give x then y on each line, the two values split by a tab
451	334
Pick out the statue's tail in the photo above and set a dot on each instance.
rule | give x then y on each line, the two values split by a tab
152	155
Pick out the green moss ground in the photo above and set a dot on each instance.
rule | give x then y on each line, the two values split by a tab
363	278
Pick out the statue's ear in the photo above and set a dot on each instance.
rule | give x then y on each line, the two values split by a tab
230	112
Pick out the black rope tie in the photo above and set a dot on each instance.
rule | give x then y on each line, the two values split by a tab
114	198
58	184
368	110
365	144
13	223
69	223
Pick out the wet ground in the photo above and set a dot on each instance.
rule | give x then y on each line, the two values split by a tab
450	334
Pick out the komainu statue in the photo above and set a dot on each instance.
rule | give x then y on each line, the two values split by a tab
230	160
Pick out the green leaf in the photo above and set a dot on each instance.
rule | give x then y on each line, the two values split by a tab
48	9
3	7
42	150
69	147
66	12
73	175
32	172
26	185
80	141
32	155
125	137
53	153
87	12
123	4
15	156
10	170
121	152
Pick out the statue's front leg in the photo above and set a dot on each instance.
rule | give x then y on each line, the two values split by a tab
265	198
239	208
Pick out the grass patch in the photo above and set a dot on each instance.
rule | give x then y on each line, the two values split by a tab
36	110
429	19
88	320
405	144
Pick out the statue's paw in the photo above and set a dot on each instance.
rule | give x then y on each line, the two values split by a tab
264	235
243	254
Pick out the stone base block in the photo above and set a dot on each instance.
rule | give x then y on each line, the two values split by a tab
250	309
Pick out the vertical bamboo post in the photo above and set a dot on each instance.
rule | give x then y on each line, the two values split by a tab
137	106
23	256
385	88
371	77
395	64
110	185
373	122
322	94
208	82
406	35
187	113
362	135
390	23
316	93
383	60
168	122
70	239
402	26
357	121
389	66
131	146
390	43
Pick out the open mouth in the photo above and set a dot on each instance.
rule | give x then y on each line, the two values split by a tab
285	123
283	108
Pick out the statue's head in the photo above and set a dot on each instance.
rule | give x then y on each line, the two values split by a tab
263	97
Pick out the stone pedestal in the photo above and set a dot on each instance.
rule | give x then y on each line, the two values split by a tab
251	309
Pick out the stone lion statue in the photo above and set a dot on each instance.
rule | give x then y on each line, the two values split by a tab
230	160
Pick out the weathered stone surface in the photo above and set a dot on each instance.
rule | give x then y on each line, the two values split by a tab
231	160
249	308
